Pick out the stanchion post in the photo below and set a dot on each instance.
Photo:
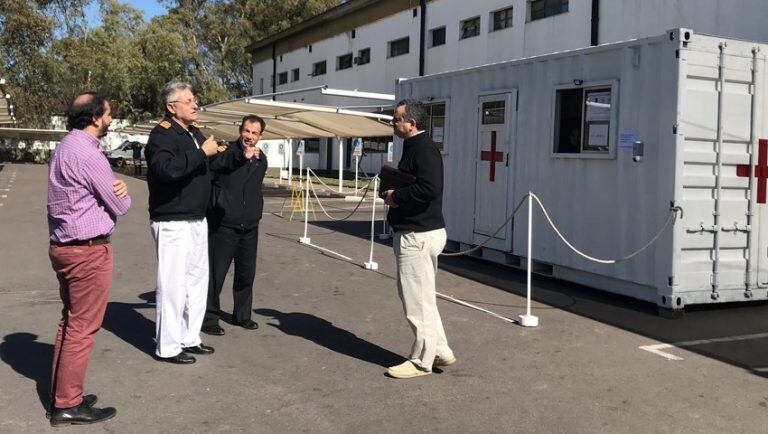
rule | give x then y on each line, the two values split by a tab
305	238
384	235
529	320
371	265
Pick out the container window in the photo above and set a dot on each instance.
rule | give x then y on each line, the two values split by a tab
436	126
493	112
469	28
583	120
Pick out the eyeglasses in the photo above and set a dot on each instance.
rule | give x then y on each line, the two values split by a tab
189	101
396	120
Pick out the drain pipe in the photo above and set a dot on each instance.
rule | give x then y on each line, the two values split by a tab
274	70
422	35
752	174
595	24
718	178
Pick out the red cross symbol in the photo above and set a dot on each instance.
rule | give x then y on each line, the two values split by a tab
492	156
761	170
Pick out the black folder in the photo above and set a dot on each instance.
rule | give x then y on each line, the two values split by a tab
392	179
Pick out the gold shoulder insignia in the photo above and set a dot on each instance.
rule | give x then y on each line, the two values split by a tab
165	124
196	125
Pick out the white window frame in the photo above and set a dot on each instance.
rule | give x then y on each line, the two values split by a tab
612	127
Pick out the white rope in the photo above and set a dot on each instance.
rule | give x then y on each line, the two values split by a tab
464	303
671	218
322	208
333	189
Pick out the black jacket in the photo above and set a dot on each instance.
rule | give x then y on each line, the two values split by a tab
420	204
179	177
238	201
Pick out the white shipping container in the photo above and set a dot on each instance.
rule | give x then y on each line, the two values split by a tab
611	138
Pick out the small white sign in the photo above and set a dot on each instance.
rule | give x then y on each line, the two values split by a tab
437	134
598	135
598	106
300	148
626	139
390	152
358	150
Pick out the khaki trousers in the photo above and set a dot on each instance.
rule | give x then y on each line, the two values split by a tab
416	256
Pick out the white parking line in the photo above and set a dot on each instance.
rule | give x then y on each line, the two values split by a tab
657	348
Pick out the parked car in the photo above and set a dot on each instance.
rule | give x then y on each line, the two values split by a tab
123	154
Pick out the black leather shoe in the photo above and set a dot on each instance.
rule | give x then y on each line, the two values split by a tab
214	330
200	349
249	324
81	415
180	359
88	401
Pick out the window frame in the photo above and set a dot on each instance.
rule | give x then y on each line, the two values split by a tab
295	74
509	19
391	45
429	103
613	86
462	33
282	78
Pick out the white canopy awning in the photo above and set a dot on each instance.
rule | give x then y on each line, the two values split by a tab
32	134
289	120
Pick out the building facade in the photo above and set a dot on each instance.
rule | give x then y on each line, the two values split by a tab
368	44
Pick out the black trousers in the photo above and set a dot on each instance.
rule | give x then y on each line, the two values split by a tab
224	245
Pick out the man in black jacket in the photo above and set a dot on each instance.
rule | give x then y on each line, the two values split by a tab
416	216
233	228
179	161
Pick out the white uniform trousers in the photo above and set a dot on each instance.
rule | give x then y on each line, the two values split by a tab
182	283
416	256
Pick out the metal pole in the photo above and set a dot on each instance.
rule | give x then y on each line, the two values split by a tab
370	265
750	203
529	320
357	165
718	178
305	238
289	145
341	165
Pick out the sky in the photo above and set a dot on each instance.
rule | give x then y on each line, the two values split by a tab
149	7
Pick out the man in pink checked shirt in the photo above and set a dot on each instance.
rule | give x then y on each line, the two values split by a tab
84	200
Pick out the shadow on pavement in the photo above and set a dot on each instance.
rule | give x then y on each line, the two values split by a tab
700	322
30	358
126	321
324	333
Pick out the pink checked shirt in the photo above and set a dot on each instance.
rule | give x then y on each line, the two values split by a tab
81	200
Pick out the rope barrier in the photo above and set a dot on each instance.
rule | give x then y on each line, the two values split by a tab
333	189
322	208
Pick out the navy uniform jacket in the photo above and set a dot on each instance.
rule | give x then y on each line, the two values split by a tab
179	177
238	201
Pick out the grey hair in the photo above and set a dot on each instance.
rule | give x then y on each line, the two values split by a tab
170	88
415	111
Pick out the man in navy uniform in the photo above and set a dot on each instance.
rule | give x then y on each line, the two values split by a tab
180	160
233	227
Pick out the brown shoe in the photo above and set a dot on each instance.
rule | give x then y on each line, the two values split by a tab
445	361
406	370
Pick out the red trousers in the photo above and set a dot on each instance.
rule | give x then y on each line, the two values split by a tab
85	274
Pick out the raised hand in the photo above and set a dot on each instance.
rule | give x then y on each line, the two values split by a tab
210	147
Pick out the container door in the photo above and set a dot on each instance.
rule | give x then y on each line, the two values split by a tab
492	169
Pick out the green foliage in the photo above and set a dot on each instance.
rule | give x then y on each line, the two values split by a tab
48	52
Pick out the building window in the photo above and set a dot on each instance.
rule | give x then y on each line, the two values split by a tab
469	28
399	47
436	126
311	146
295	74
376	145
363	56
282	78
318	68
309	48
546	8
354	33
437	37
583	120
344	62
501	19
494	113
